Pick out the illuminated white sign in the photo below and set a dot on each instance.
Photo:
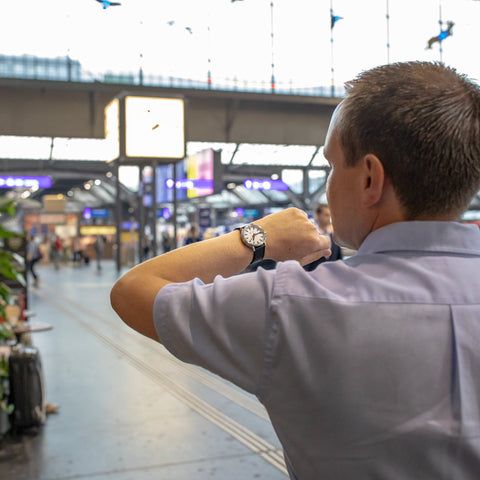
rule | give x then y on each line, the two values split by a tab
154	127
112	129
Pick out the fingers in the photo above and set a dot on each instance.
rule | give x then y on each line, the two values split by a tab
315	256
292	236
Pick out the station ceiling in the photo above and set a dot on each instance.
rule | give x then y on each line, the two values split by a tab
79	170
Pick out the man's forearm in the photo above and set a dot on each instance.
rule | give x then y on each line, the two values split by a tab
289	235
225	255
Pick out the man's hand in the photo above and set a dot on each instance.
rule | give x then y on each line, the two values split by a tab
292	236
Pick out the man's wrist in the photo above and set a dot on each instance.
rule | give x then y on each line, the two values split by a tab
254	237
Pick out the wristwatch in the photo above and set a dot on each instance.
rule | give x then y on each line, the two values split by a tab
254	237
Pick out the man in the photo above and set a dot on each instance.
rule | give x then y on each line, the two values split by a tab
98	245
323	221
369	367
57	251
33	256
78	251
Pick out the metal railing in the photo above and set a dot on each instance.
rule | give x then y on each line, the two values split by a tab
68	70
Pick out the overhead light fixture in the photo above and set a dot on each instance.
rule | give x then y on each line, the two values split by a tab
188	183
264	184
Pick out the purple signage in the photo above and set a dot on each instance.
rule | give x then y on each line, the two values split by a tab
24	181
264	184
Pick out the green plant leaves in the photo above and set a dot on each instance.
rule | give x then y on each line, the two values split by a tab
7	206
4	387
8	269
6	333
9	408
6	233
9	261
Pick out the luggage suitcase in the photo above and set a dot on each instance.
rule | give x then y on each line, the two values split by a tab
27	388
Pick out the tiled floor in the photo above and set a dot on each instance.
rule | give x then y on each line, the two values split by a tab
128	409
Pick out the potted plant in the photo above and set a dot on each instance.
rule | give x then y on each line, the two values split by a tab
6	408
8	270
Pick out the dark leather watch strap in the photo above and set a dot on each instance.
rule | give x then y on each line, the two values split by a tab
258	254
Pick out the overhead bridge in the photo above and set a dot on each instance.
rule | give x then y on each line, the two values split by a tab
49	108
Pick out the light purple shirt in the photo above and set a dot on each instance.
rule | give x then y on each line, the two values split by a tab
369	368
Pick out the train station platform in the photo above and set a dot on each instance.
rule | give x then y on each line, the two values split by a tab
128	409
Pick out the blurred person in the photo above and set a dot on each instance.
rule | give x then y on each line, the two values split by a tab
167	241
368	367
323	219
57	251
324	226
193	234
322	212
98	245
78	250
33	256
146	246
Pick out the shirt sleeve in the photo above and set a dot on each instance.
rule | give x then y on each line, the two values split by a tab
224	326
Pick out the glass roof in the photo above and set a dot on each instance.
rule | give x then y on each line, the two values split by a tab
226	148
87	149
94	149
223	199
276	195
250	196
79	149
35	148
129	176
261	154
319	160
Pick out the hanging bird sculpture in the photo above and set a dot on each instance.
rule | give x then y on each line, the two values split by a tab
334	19
107	3
441	36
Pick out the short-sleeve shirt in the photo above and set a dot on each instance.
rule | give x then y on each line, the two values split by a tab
369	368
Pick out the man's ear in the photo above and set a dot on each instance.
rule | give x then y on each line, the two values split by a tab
373	180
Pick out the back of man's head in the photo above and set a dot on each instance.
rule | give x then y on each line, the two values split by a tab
422	120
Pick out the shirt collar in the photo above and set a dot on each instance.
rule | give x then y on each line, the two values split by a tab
452	237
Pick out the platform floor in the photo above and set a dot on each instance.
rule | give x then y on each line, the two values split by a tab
128	409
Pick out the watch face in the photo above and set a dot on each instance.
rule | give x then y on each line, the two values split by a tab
254	235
